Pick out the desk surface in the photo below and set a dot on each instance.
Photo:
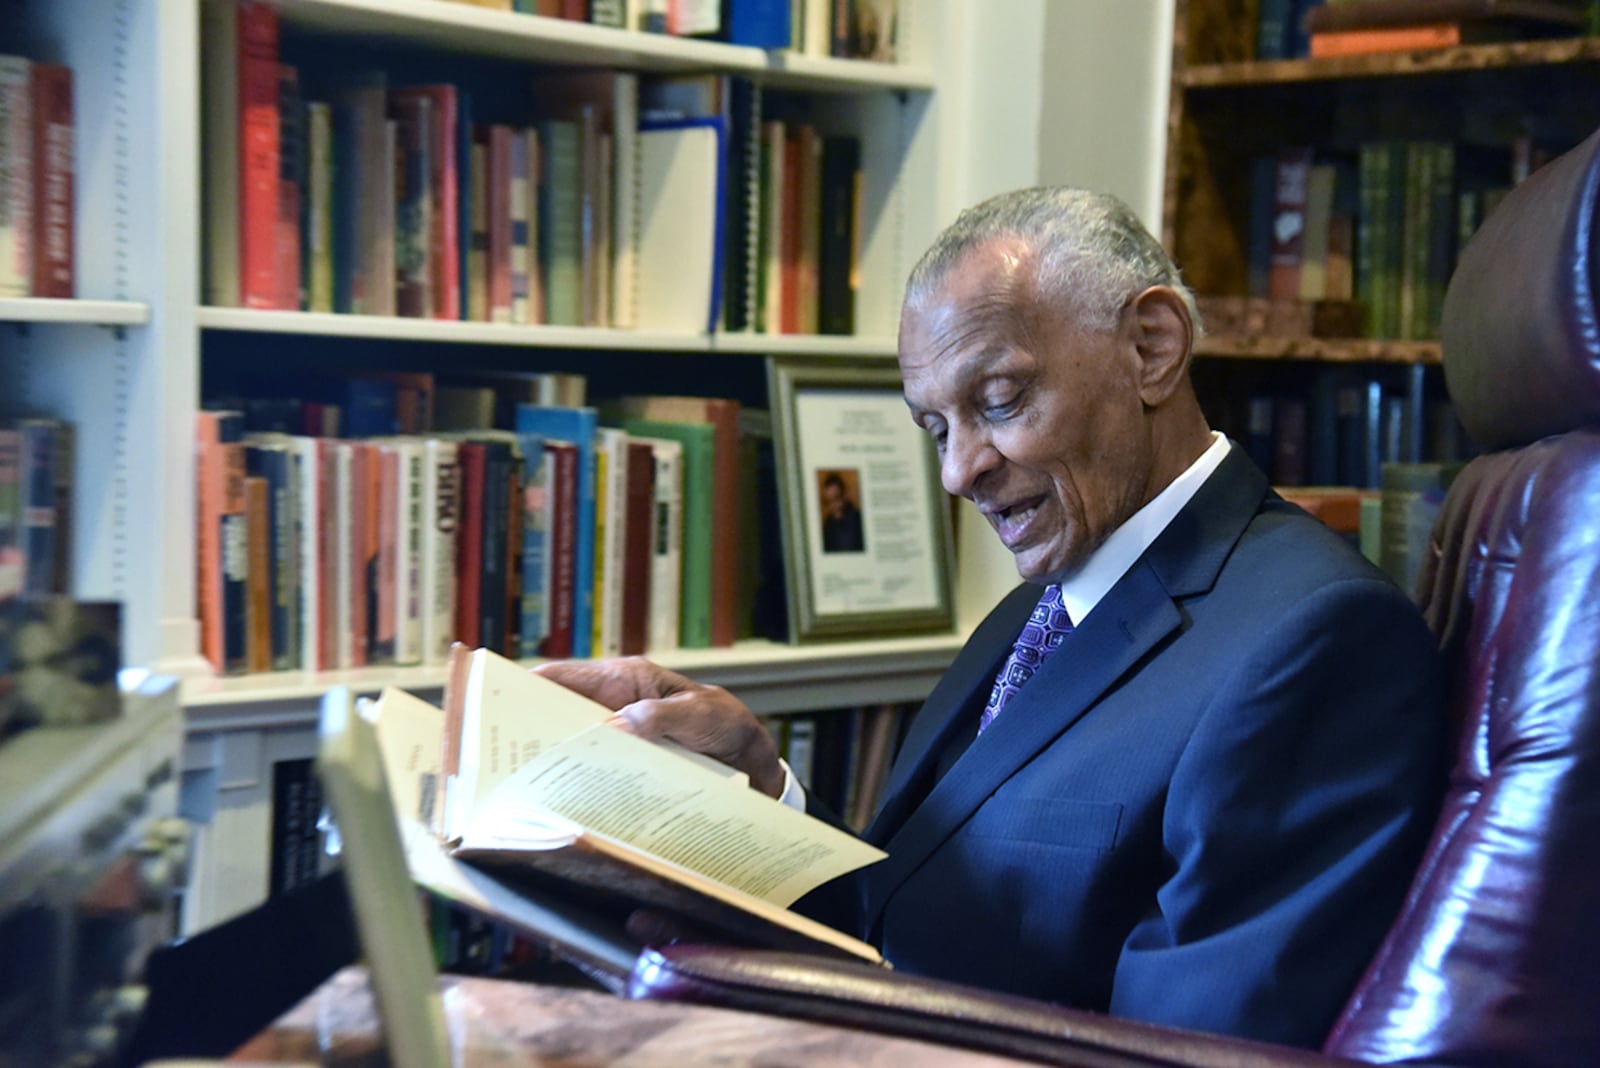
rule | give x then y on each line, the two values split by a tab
514	1024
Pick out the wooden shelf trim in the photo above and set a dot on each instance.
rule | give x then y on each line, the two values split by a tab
481	31
1394	64
1327	350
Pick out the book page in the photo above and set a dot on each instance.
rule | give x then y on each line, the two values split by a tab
409	732
615	784
510	716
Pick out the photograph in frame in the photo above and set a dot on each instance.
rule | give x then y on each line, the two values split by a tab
865	522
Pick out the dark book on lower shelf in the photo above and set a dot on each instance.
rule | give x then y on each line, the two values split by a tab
296	856
1375	14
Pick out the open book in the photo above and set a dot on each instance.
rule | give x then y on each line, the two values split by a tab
519	788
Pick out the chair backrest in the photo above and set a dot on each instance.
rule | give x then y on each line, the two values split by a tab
1495	958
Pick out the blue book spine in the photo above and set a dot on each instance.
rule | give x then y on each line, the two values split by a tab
757	23
577	425
370	408
535	545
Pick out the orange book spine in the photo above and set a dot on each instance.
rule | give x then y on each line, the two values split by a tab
259	155
54	227
258	585
1385	39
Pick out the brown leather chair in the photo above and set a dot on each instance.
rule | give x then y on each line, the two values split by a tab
1495	957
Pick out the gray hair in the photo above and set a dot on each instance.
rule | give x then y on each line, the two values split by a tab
1093	253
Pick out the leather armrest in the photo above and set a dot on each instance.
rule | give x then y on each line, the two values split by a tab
886	1002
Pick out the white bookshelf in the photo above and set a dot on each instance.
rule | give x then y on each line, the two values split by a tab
125	365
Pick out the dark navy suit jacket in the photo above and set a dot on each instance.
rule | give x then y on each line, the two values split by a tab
1203	810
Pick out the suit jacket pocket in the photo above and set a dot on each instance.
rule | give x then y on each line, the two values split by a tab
1053	821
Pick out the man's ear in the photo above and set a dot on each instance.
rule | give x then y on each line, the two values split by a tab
1164	334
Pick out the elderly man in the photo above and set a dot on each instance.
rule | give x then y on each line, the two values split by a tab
1183	772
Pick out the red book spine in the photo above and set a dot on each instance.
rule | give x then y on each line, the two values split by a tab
469	544
637	549
563	458
500	223
54	226
259	155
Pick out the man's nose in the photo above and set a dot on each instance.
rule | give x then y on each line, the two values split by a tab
968	454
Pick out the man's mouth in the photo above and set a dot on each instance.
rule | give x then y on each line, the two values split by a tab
1011	521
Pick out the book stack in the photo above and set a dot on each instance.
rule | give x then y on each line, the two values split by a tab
37	224
1357	27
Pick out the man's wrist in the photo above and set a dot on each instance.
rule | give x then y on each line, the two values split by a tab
793	795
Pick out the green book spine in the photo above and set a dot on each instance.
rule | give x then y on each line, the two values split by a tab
561	222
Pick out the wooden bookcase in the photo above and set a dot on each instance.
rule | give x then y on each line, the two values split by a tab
1226	110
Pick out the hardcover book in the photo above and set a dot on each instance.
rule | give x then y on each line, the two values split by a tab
521	784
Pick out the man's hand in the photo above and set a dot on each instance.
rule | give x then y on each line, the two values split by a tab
652	702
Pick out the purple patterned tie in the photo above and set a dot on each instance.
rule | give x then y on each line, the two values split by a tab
1041	635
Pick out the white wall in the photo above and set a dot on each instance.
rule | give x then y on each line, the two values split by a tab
1103	107
1046	92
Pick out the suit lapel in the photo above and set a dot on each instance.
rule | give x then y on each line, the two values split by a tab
1138	613
1066	685
967	682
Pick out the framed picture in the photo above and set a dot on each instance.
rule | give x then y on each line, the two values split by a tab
866	525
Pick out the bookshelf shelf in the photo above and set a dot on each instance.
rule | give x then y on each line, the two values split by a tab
477	31
395	328
92	312
790	70
1462	59
1326	350
768	676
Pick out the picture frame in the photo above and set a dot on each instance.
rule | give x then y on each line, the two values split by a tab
866	525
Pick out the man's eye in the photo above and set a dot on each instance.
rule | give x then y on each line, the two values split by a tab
1002	407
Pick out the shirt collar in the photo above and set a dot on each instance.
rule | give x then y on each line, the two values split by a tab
1081	592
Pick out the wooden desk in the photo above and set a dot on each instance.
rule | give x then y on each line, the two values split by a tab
517	1024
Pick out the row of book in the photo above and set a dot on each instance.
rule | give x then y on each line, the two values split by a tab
603	199
37	219
842	755
1340	427
557	535
846	29
1364	27
1382	226
1289	29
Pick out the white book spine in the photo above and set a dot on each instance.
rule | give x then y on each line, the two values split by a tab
16	177
625	201
308	525
408	552
441	511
